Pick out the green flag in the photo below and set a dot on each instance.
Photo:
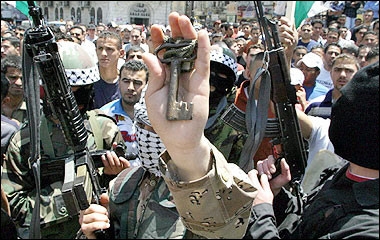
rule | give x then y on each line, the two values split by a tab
22	6
307	9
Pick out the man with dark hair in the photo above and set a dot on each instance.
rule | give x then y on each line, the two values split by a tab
109	51
134	76
15	108
372	56
10	46
135	52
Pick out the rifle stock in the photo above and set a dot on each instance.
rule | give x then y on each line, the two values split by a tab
284	98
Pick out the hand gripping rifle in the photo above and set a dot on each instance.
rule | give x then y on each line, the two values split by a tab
81	185
283	96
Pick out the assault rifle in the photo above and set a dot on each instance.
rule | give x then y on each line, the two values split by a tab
283	96
81	184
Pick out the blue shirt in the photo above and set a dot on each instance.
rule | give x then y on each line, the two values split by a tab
126	126
373	5
321	109
315	91
105	92
308	45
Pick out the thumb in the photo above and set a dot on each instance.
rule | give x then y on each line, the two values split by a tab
104	199
265	182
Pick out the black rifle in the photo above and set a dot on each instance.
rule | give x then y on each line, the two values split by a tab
283	96
81	184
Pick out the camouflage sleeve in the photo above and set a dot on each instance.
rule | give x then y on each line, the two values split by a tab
217	205
19	185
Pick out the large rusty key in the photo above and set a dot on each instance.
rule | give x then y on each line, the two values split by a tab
177	110
180	55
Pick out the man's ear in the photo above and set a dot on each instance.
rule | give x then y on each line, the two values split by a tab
122	53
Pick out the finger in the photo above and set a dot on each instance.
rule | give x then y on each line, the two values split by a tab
174	25
252	175
104	199
265	167
115	159
259	167
105	160
124	162
157	35
186	28
156	73
285	169
110	158
264	180
202	64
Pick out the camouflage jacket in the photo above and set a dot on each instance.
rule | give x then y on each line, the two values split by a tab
227	140
18	179
141	206
218	205
20	114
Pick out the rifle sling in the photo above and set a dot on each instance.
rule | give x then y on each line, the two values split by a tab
256	119
30	83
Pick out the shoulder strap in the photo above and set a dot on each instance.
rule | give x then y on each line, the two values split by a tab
95	129
256	119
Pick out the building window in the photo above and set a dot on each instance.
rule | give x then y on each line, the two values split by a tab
72	14
99	16
56	15
79	18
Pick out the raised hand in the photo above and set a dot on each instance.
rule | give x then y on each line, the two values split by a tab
183	139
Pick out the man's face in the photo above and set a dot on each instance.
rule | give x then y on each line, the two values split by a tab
75	32
99	29
298	54
342	72
368	16
255	33
69	25
131	84
362	54
8	49
310	74
306	32
331	54
332	37
370	40
135	56
20	33
247	29
14	75
135	37
108	52
251	53
91	32
317	29
359	34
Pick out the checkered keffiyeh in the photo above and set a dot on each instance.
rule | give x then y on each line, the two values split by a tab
79	77
140	109
225	59
150	148
150	144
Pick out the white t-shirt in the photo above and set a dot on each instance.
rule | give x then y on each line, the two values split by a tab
324	78
319	137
